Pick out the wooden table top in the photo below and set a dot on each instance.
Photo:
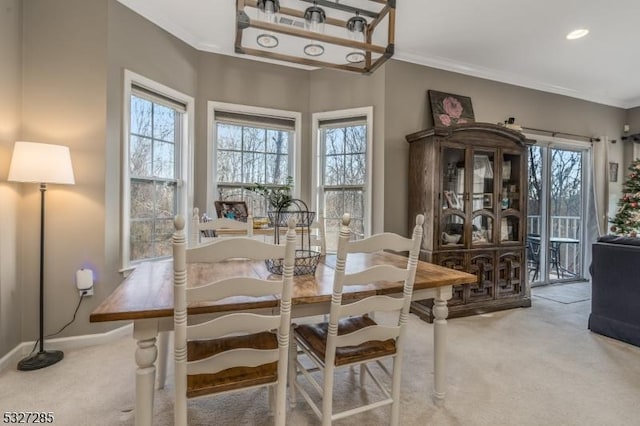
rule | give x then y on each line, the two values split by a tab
148	291
257	231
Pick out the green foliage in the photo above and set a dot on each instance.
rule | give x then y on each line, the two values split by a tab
627	218
278	196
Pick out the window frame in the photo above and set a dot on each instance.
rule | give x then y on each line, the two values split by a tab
212	152
318	159
586	150
184	157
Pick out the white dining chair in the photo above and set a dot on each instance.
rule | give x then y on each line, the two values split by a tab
235	350
203	229
351	337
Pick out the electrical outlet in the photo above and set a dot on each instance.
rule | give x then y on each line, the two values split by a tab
87	293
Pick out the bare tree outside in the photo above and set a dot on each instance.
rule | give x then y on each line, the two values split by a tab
247	155
565	185
344	179
152	167
565	204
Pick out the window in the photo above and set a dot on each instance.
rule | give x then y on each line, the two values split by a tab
250	145
557	216
344	171
155	151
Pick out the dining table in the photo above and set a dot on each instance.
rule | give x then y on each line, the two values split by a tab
146	298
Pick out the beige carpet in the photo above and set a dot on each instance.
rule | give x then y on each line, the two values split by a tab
535	366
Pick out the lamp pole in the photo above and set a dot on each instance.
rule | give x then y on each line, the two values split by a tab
42	358
43	189
34	162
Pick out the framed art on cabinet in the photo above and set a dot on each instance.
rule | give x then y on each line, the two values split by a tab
448	109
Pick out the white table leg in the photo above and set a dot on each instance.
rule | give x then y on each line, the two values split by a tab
145	332
163	355
440	313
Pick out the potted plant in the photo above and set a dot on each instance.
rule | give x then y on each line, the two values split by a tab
278	197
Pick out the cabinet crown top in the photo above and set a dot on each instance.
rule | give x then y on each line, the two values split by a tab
480	128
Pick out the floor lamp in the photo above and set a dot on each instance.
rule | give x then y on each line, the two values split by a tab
41	163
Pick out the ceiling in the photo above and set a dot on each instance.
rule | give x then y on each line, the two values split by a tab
517	42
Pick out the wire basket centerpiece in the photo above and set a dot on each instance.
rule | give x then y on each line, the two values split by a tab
306	259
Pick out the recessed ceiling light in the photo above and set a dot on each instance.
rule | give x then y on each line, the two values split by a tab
575	34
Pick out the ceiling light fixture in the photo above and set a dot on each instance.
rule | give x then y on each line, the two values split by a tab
356	30
318	33
314	19
268	12
576	34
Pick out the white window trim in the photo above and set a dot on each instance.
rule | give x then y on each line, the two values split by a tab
316	118
185	169
213	106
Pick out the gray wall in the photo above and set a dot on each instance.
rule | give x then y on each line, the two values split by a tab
407	111
64	102
241	81
137	45
633	119
331	90
10	105
74	56
632	149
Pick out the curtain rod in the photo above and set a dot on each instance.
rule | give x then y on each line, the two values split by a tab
554	133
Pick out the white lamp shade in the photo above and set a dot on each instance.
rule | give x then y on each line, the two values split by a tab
41	163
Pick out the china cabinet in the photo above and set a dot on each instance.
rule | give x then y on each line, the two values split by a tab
470	181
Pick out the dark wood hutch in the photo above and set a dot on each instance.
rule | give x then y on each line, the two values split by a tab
470	181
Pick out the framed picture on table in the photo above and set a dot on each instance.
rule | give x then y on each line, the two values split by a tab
236	210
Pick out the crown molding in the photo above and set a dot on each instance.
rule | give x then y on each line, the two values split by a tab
504	77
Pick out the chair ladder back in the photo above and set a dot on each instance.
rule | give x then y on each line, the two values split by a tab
336	296
244	357
245	323
378	242
180	321
374	332
218	335
368	341
371	304
199	226
376	273
412	265
229	248
235	286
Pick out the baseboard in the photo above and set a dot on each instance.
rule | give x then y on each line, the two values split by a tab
11	359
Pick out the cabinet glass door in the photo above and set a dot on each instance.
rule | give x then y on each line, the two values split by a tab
452	204
482	197
510	197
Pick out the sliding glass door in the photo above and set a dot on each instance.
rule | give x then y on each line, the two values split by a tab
556	210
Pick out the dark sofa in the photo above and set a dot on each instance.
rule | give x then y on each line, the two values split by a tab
615	281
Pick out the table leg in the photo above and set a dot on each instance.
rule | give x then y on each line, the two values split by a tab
163	355
440	312
145	332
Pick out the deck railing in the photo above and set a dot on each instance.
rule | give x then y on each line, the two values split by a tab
570	254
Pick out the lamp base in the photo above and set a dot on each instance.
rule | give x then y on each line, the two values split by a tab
40	360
